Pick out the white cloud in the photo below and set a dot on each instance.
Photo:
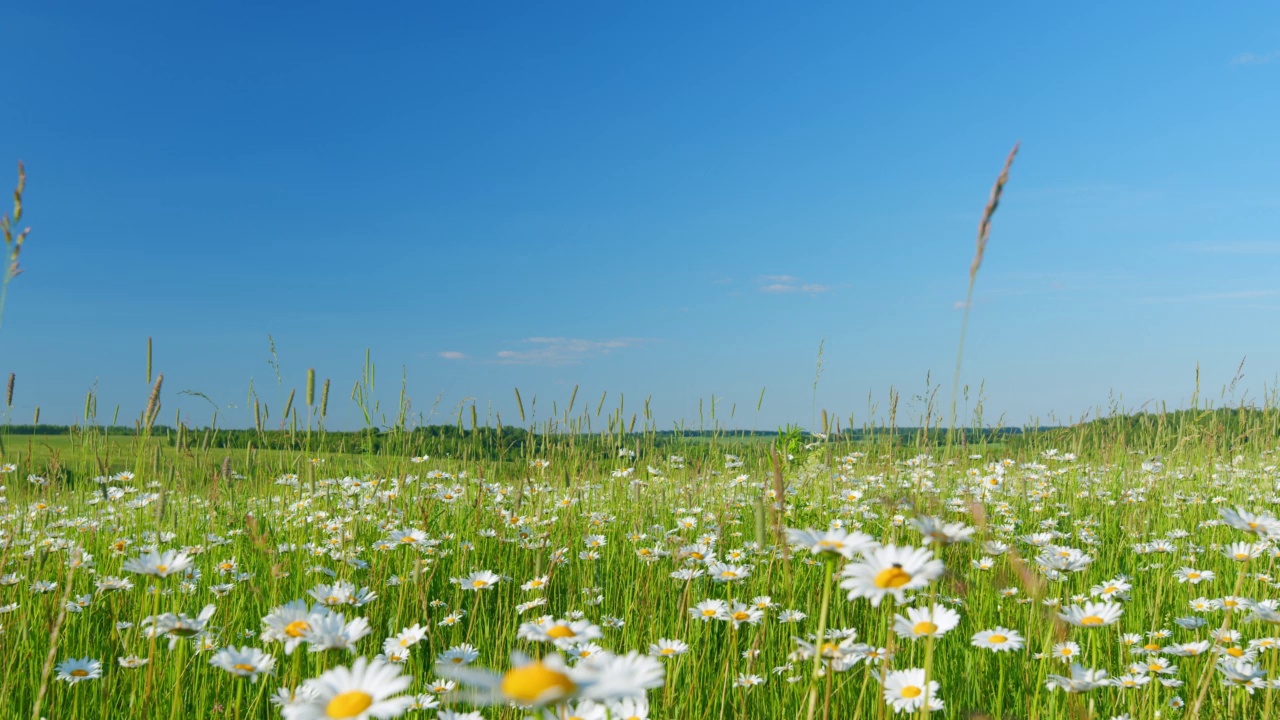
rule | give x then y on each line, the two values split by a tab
452	355
1218	296
1235	248
562	351
789	284
1255	58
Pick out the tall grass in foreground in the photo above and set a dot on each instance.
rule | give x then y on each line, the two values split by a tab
1102	545
607	529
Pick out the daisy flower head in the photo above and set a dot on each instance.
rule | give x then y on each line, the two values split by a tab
333	632
666	648
536	683
159	564
740	613
561	633
1000	639
890	570
410	636
726	573
481	580
906	690
1093	614
367	689
1255	524
832	542
1081	679
290	624
529	683
621	677
179	626
537	583
925	622
247	662
1243	551
1265	611
1238	673
937	531
1066	651
464	654
708	610
1194	576
77	670
1117	588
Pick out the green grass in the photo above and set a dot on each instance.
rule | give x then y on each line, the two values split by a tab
1104	492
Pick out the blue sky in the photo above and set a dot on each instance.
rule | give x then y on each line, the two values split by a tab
670	199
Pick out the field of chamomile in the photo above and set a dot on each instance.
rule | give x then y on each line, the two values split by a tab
1103	571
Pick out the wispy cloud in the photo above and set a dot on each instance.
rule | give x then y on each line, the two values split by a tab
562	351
788	284
1217	296
1234	248
452	355
1255	58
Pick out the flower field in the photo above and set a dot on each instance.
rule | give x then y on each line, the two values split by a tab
1071	573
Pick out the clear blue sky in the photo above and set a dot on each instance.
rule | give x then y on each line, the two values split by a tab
666	199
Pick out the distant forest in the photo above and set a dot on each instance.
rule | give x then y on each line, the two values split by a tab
1232	425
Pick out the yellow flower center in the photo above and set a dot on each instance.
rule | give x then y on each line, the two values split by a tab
829	648
1091	620
297	628
407	539
1193	576
478	583
535	682
1067	651
709	612
348	704
79	673
997	639
924	628
162	568
1151	647
668	651
741	615
911	691
893	577
1235	652
244	667
728	574
1242	556
561	631
1155	667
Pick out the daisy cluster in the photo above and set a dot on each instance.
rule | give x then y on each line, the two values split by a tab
639	583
